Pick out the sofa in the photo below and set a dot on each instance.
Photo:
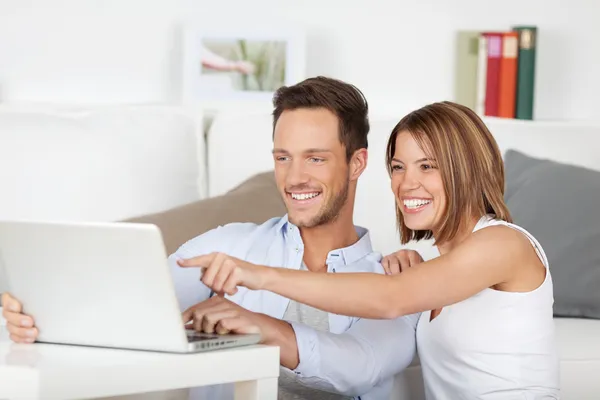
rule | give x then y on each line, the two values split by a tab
157	164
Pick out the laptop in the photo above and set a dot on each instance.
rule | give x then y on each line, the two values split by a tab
100	284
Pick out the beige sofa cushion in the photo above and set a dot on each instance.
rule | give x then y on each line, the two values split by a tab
255	200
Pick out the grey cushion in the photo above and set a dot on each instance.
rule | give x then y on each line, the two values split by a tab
559	205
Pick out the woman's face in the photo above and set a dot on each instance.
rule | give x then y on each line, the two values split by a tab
417	184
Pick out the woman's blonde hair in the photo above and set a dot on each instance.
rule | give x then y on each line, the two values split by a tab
469	161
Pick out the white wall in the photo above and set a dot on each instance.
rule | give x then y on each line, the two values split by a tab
400	53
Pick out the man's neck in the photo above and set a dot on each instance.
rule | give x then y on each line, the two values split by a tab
320	240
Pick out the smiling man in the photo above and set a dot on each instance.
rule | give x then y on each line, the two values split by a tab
320	129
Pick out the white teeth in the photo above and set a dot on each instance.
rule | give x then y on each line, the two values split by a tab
304	196
415	203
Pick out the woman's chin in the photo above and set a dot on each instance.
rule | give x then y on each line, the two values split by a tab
419	227
416	224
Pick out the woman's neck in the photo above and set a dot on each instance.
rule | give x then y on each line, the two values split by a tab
460	236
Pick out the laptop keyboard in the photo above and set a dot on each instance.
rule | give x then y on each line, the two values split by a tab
199	337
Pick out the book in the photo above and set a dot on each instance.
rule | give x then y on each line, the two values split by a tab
467	59
481	76
492	89
526	71
508	75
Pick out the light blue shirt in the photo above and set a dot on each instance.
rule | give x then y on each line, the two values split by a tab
358	357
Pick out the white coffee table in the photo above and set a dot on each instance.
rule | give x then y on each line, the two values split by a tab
48	371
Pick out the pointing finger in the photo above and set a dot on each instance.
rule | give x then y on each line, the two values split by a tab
200	261
209	274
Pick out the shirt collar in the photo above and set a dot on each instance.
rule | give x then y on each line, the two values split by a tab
345	255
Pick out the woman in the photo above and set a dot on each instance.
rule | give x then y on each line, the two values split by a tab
486	328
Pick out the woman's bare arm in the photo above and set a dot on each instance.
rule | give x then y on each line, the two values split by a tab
485	259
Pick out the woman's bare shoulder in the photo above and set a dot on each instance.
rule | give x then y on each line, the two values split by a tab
507	245
493	245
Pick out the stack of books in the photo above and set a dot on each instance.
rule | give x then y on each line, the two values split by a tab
495	72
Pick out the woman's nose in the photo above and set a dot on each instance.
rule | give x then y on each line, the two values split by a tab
410	180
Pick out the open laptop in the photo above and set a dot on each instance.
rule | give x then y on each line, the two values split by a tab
100	284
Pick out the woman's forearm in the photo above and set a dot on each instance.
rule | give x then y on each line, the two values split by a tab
365	295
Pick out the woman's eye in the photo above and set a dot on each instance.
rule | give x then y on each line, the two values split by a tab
426	167
396	167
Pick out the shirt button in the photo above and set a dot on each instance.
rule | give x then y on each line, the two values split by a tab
297	250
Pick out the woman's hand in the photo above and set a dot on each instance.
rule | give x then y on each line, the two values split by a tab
223	273
400	261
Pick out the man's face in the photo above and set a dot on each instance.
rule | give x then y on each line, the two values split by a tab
311	170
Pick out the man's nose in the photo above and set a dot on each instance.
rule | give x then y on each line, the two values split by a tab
297	174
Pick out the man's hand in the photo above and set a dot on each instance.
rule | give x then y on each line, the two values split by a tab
223	273
219	315
400	261
20	326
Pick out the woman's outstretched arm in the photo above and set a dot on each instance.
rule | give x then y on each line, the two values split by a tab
487	258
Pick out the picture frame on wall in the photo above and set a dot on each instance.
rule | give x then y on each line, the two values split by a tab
239	67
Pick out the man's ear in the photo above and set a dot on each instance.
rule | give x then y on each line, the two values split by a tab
358	163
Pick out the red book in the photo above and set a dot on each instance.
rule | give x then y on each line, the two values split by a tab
494	54
508	75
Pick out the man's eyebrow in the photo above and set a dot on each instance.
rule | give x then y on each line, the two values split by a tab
307	151
317	150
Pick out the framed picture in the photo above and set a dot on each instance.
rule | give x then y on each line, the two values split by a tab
240	67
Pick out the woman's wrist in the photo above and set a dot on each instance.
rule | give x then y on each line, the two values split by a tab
269	278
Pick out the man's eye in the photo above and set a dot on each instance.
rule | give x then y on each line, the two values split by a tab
282	158
316	159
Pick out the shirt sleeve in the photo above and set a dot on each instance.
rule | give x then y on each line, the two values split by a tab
370	352
188	287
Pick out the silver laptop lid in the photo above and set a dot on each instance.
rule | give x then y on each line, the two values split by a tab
99	284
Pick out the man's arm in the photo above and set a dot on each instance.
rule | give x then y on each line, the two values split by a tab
188	288
283	336
353	362
370	351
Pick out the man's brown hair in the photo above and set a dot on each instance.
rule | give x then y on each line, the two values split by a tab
469	161
343	99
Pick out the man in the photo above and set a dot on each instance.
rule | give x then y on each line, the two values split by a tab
320	132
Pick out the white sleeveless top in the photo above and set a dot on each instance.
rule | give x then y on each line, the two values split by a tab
494	345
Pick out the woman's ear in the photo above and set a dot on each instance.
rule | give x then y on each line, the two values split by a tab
358	163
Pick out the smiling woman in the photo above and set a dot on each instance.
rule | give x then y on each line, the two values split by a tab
447	136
